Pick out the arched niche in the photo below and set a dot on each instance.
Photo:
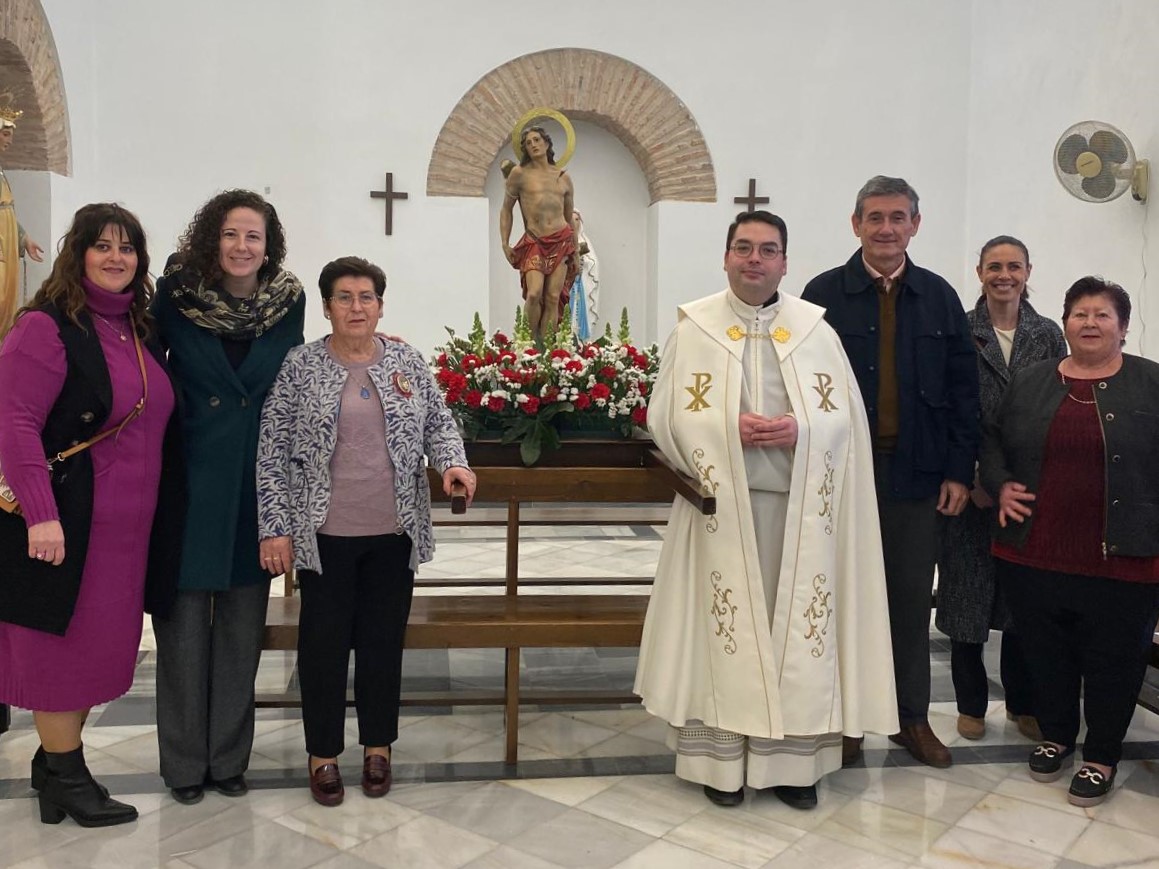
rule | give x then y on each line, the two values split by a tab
623	98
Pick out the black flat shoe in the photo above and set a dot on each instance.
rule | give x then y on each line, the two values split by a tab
188	796
1048	762
234	786
1089	787
797	797
728	799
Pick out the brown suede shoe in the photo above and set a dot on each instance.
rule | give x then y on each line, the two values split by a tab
376	777
923	744
971	727
1027	726
850	750
326	785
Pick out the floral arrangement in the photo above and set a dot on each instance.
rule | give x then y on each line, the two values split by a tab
521	389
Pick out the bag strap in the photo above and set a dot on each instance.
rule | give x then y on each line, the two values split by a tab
138	408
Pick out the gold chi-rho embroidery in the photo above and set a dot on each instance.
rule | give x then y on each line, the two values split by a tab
824	388
701	383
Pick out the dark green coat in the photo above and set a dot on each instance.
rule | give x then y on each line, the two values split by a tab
221	412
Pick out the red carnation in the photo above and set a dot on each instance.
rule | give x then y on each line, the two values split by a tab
495	403
640	415
531	406
530	351
510	374
601	390
608	372
442	360
507	356
501	339
443	377
551	394
560	353
582	401
473	398
573	365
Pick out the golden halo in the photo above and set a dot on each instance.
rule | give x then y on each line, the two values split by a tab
534	115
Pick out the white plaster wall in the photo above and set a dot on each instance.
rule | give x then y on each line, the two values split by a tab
1038	67
172	102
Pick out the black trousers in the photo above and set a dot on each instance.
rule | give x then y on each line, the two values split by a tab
971	686
1083	634
5	718
909	540
360	602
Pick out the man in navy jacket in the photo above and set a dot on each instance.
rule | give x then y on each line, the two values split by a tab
906	336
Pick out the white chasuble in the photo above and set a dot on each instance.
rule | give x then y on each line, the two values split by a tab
711	652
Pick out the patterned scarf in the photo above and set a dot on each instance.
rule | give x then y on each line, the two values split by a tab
214	309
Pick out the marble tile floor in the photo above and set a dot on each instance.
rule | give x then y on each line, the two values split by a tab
594	785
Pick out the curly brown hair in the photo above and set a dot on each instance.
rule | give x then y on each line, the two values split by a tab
199	247
63	287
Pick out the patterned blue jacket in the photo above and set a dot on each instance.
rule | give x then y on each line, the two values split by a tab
299	431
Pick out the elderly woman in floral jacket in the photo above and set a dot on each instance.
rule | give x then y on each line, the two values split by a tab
343	496
1010	335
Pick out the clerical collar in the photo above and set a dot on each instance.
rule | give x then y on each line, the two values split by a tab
744	309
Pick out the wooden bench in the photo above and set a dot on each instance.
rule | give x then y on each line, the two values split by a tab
618	472
495	622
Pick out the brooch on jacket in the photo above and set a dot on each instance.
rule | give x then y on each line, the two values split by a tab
402	384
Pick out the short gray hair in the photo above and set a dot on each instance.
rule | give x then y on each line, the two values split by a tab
883	185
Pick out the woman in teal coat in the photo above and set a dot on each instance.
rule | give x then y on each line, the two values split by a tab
228	314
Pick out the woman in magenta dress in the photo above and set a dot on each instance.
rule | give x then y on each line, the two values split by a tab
73	590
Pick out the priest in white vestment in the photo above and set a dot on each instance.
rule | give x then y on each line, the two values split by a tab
767	635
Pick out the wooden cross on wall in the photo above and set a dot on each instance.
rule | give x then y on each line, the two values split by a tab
751	201
389	195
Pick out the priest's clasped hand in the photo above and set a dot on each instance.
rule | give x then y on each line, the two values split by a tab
768	431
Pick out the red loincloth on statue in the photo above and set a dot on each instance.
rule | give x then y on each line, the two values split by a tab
544	255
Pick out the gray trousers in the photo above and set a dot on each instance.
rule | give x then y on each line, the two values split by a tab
909	541
207	658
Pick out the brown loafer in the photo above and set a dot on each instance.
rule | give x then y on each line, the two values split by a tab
971	727
850	750
326	785
923	744
376	775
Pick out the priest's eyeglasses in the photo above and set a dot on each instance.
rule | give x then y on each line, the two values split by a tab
769	250
346	300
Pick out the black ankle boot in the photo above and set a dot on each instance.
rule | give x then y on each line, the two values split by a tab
40	770
69	789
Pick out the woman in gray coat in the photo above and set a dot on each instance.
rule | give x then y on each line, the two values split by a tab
1010	335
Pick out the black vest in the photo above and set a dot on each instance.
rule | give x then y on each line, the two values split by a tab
36	594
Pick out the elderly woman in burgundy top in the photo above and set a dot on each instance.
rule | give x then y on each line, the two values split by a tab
343	496
1073	462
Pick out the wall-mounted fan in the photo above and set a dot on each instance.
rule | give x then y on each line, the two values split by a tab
1095	162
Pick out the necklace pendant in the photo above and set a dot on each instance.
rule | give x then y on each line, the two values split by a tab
123	338
364	393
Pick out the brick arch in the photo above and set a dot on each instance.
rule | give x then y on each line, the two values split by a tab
30	69
613	93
